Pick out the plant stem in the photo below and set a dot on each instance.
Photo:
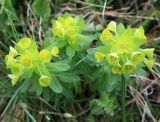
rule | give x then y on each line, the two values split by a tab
123	90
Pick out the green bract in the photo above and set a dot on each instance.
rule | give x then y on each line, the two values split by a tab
25	43
44	81
55	51
25	57
14	78
45	55
99	56
26	61
137	57
13	52
121	47
117	69
112	58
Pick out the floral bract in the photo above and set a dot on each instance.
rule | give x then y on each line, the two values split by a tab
123	48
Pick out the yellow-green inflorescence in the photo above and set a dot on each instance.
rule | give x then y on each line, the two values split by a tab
67	33
122	50
25	56
67	28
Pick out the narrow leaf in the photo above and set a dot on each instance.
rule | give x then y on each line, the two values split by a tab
57	67
55	85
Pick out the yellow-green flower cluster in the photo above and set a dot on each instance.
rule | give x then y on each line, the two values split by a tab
122	48
66	28
25	56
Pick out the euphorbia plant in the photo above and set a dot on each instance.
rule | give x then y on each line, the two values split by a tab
121	52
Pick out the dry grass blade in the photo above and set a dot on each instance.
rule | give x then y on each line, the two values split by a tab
141	102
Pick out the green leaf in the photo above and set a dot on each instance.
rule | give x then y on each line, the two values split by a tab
100	84
42	8
66	60
90	118
113	82
97	110
49	41
85	69
92	50
68	77
106	104
46	94
74	46
102	49
84	41
90	27
57	67
27	81
55	85
66	14
61	43
98	72
41	68
70	51
67	92
37	87
157	13
79	20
